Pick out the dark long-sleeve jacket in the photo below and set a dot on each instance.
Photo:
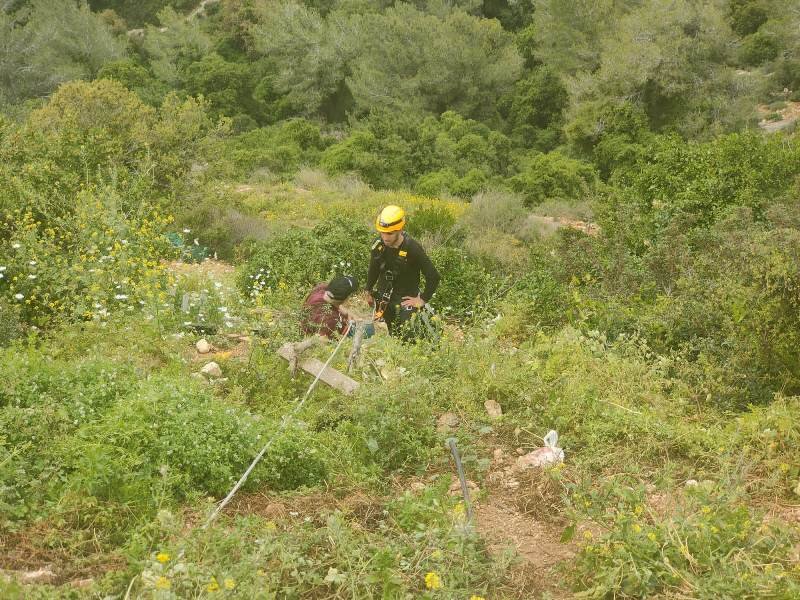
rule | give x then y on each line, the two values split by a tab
405	263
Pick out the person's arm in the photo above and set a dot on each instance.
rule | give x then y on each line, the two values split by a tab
432	277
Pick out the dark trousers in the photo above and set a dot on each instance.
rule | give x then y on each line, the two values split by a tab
397	319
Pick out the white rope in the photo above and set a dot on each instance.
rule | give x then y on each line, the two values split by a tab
284	422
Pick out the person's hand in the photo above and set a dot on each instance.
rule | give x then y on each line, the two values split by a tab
412	302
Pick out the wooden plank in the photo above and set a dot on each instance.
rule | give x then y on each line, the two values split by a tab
330	376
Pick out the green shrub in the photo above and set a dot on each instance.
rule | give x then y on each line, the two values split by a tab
747	16
765	437
393	435
697	184
467	287
42	403
301	258
381	162
281	148
433	221
10	320
168	426
758	48
294	460
496	210
553	176
645	556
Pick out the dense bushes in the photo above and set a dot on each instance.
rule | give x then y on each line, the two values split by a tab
82	180
434	156
299	259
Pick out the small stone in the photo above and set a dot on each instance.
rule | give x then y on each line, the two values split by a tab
416	486
455	487
447	422
43	575
498	454
203	347
520	451
211	370
493	409
690	483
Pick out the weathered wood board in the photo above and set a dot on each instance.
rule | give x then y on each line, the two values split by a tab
332	377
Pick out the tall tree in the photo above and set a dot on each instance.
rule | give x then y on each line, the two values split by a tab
672	59
311	53
173	46
570	33
50	43
409	60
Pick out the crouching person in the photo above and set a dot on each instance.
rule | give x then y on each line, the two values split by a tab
323	316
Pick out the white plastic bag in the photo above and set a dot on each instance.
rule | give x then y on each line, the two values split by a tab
551	454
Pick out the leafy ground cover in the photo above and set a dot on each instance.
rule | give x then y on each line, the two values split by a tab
661	348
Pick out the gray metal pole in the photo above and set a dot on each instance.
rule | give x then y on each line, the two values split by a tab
451	442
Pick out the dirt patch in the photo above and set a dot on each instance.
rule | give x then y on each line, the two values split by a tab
360	507
536	543
789	115
37	550
209	267
232	346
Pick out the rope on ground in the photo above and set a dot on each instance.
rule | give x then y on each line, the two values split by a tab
284	422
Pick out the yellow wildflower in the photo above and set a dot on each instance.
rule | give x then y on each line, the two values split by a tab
474	597
213	586
432	581
162	557
162	583
229	583
637	528
651	536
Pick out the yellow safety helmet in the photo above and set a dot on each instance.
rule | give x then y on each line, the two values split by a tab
392	218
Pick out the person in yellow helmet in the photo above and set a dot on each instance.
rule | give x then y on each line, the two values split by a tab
393	280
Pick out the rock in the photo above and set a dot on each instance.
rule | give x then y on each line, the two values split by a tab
43	575
690	483
455	487
199	377
447	422
493	409
498	454
203	347
520	451
82	583
417	486
211	370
